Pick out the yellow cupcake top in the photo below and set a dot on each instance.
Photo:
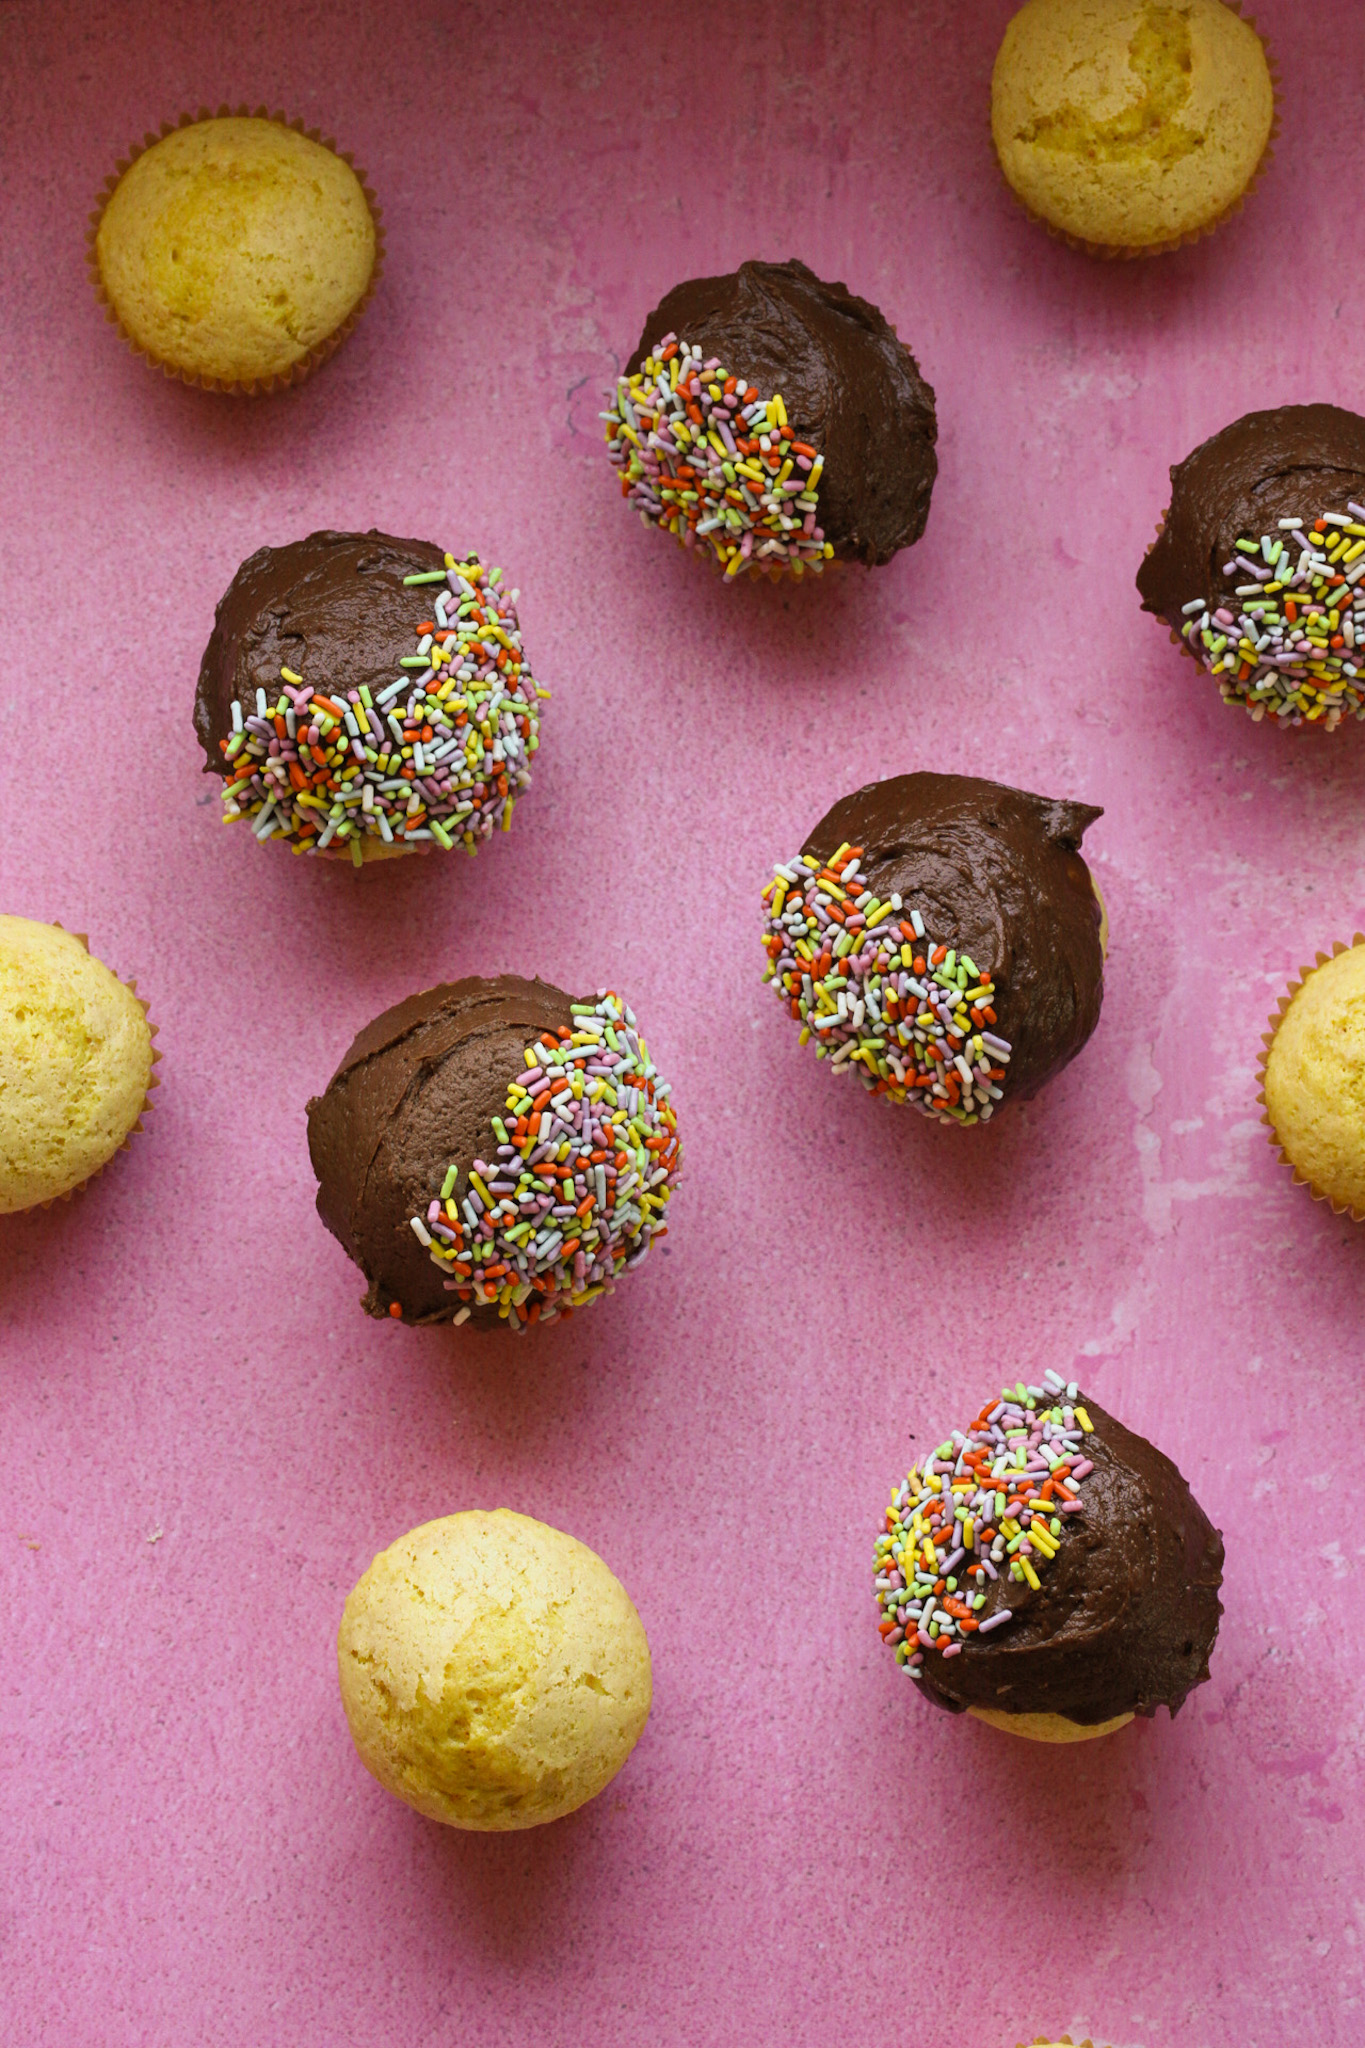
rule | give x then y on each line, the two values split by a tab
1066	2041
494	1672
1130	124
233	248
75	1063
1315	1081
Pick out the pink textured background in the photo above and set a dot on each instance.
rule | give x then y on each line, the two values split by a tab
204	1442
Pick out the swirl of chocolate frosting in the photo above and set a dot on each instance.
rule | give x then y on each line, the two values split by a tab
995	873
332	607
416	1092
852	390
1295	462
1126	1613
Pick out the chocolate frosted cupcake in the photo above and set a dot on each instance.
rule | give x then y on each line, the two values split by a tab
494	1151
777	420
942	938
1259	563
364	697
1048	1571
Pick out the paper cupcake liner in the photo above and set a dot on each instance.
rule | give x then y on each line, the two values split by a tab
154	1081
262	386
1105	251
1301	1179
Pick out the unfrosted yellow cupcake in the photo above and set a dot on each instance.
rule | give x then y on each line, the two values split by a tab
236	252
1313	1079
75	1063
1130	126
494	1672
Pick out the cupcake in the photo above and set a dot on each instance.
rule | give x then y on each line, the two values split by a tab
942	938
1128	127
770	421
1313	1079
1071	1584
363	697
494	1673
235	253
1258	565
75	1063
494	1152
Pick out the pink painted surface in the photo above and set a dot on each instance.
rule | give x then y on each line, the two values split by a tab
204	1442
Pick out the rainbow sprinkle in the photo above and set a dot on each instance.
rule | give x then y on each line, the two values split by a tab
702	455
1289	651
438	755
577	1180
876	995
985	1510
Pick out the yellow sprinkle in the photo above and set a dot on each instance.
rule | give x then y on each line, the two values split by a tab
290	677
969	1534
878	916
1030	1574
778	409
1086	1424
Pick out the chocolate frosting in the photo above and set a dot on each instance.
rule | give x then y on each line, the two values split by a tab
851	389
1126	1614
997	874
332	608
1294	463
416	1094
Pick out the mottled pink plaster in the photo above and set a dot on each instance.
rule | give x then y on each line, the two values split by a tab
204	1442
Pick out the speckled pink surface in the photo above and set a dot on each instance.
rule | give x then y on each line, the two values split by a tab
204	1442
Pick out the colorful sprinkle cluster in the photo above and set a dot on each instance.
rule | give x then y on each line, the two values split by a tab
987	1508
875	994
1294	649
701	454
576	1184
439	755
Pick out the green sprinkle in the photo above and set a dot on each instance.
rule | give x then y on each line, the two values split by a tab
435	576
